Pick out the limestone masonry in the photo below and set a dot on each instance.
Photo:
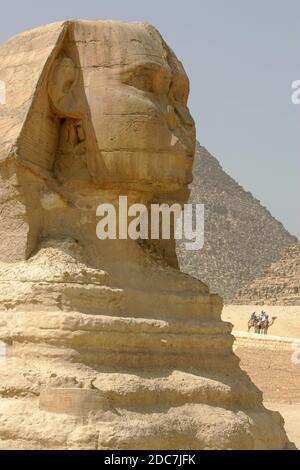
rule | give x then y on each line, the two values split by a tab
279	286
109	345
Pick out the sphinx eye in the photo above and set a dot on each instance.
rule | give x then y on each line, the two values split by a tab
141	82
140	78
161	82
150	79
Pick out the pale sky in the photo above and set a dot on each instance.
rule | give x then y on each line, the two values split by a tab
241	57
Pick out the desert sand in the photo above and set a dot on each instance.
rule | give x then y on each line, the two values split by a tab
271	367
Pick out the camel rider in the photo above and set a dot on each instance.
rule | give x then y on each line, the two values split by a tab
253	316
266	315
263	316
259	317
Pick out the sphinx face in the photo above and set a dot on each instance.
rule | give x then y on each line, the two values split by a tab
136	91
94	109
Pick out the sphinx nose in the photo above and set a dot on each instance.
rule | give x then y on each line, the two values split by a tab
182	125
171	117
179	116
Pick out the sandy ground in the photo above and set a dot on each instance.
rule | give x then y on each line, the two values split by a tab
273	371
286	324
279	379
291	415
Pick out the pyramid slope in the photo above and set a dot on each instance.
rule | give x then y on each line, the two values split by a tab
280	285
242	238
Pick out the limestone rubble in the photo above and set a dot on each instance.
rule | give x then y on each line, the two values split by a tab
279	286
109	345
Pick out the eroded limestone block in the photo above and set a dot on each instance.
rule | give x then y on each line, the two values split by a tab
76	401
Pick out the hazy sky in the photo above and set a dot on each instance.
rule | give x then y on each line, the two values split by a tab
241	57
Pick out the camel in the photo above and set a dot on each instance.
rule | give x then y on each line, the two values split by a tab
260	326
252	323
265	325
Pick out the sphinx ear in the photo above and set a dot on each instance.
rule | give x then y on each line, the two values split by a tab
62	89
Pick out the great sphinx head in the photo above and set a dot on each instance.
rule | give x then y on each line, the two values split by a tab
91	106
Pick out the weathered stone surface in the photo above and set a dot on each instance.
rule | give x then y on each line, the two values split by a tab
279	286
242	239
103	112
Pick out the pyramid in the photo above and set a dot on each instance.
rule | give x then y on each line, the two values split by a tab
279	286
242	238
